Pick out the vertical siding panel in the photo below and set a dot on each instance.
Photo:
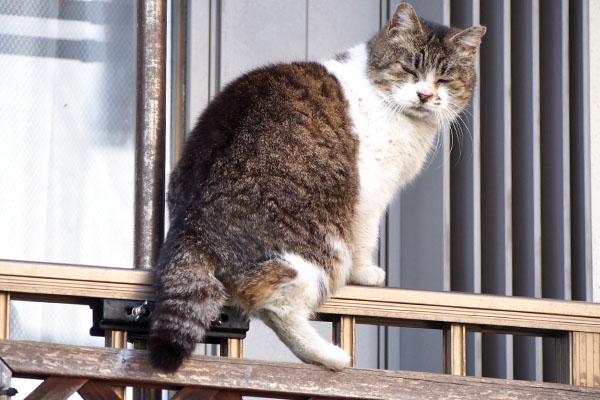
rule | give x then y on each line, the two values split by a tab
336	25
555	167
255	33
389	252
197	63
554	150
581	248
465	192
496	241
526	174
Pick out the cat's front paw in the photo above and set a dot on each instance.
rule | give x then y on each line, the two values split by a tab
370	275
334	358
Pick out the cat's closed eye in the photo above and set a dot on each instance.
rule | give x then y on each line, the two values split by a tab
410	71
442	80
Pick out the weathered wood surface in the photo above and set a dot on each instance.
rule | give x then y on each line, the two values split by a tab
97	391
585	354
56	388
288	380
386	306
195	393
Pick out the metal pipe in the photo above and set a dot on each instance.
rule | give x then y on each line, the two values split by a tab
179	69
150	131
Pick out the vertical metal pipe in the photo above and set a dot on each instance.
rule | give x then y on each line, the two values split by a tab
150	131
179	69
150	141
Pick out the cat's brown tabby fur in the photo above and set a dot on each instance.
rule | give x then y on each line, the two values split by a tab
282	183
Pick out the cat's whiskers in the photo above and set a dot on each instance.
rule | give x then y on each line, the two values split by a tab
459	123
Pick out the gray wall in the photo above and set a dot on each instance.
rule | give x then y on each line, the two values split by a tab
502	207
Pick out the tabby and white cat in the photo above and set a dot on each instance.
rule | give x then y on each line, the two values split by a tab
277	198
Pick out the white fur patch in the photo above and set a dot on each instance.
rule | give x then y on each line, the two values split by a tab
303	293
392	148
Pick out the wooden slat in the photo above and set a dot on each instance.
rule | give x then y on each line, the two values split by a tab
464	308
29	280
116	339
228	396
344	335
55	388
195	393
458	356
70	280
232	348
131	367
585	359
4	315
98	391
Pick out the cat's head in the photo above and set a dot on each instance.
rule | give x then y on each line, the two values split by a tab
423	69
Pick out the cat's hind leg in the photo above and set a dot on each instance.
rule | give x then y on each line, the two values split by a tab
303	340
289	306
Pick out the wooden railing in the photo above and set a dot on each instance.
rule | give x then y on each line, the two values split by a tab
92	372
574	325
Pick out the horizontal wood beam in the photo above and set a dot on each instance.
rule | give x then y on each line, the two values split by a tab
97	391
31	281
47	282
478	312
264	378
56	387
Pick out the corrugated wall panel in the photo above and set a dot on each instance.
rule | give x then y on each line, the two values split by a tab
527	260
496	205
465	192
555	168
579	106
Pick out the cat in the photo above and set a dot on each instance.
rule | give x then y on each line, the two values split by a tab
276	200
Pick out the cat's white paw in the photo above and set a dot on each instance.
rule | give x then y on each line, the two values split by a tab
334	358
370	275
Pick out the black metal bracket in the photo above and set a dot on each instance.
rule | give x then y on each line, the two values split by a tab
134	316
9	392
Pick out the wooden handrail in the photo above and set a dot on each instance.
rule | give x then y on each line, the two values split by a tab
574	324
74	367
386	306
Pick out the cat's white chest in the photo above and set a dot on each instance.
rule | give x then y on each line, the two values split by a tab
392	147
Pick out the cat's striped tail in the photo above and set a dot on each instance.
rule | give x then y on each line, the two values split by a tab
188	298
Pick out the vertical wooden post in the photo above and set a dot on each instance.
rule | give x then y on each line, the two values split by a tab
118	340
585	359
455	356
4	315
231	348
344	335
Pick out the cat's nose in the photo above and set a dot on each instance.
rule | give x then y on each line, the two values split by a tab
424	95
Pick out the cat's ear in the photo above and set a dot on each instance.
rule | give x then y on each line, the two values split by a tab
469	39
405	20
